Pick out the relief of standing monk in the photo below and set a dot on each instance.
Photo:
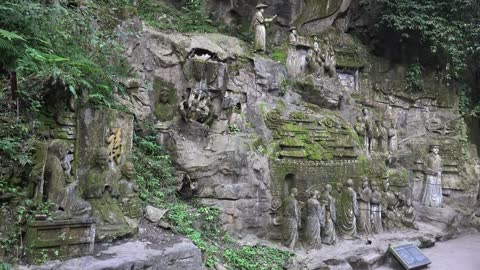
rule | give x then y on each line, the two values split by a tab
314	223
348	212
432	194
291	220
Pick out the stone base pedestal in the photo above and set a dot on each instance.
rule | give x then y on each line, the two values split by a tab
60	239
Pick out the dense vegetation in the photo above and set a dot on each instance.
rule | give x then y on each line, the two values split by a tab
443	35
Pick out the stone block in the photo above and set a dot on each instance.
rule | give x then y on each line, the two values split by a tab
60	239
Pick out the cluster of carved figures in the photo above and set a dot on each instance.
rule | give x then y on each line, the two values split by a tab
54	183
349	213
378	136
320	59
345	213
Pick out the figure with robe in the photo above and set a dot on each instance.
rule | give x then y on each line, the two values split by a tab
409	215
314	222
432	193
259	22
291	219
376	209
347	212
364	197
391	216
328	230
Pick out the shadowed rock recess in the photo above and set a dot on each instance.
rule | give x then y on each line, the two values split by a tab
315	146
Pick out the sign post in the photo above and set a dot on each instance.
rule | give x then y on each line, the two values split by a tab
409	256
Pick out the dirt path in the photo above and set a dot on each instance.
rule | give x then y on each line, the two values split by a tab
458	254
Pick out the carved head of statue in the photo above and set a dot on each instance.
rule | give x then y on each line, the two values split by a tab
409	202
339	187
328	188
349	183
387	186
365	184
315	194
127	170
365	112
294	192
261	7
102	157
374	186
59	148
435	149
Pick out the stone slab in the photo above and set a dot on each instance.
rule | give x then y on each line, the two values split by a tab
60	239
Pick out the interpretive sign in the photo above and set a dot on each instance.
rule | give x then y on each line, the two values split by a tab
409	256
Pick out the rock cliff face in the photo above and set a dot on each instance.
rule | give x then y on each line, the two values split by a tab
246	130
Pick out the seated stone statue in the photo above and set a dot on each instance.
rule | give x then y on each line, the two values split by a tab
291	220
391	216
52	184
129	201
328	230
314	222
347	212
101	191
409	215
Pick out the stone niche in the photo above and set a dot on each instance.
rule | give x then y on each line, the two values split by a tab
59	239
102	132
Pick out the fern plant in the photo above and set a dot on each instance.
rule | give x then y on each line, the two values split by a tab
10	48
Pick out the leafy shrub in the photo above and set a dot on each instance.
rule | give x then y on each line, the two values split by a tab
256	258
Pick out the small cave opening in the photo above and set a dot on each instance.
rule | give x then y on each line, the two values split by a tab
289	183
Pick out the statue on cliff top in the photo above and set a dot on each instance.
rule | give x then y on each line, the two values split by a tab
259	22
293	36
432	194
314	223
291	220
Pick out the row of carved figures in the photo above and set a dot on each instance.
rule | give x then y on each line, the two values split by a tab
378	136
320	59
345	213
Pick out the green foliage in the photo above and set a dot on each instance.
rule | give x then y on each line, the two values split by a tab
10	46
448	29
233	128
414	79
256	258
191	17
5	266
280	54
62	48
155	174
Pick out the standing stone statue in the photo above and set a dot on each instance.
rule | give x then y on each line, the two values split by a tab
364	197
348	212
361	129
314	222
381	137
369	130
319	57
328	230
260	30
432	194
330	60
293	36
291	220
376	209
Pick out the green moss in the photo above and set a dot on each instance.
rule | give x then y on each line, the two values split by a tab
280	54
317	152
292	142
